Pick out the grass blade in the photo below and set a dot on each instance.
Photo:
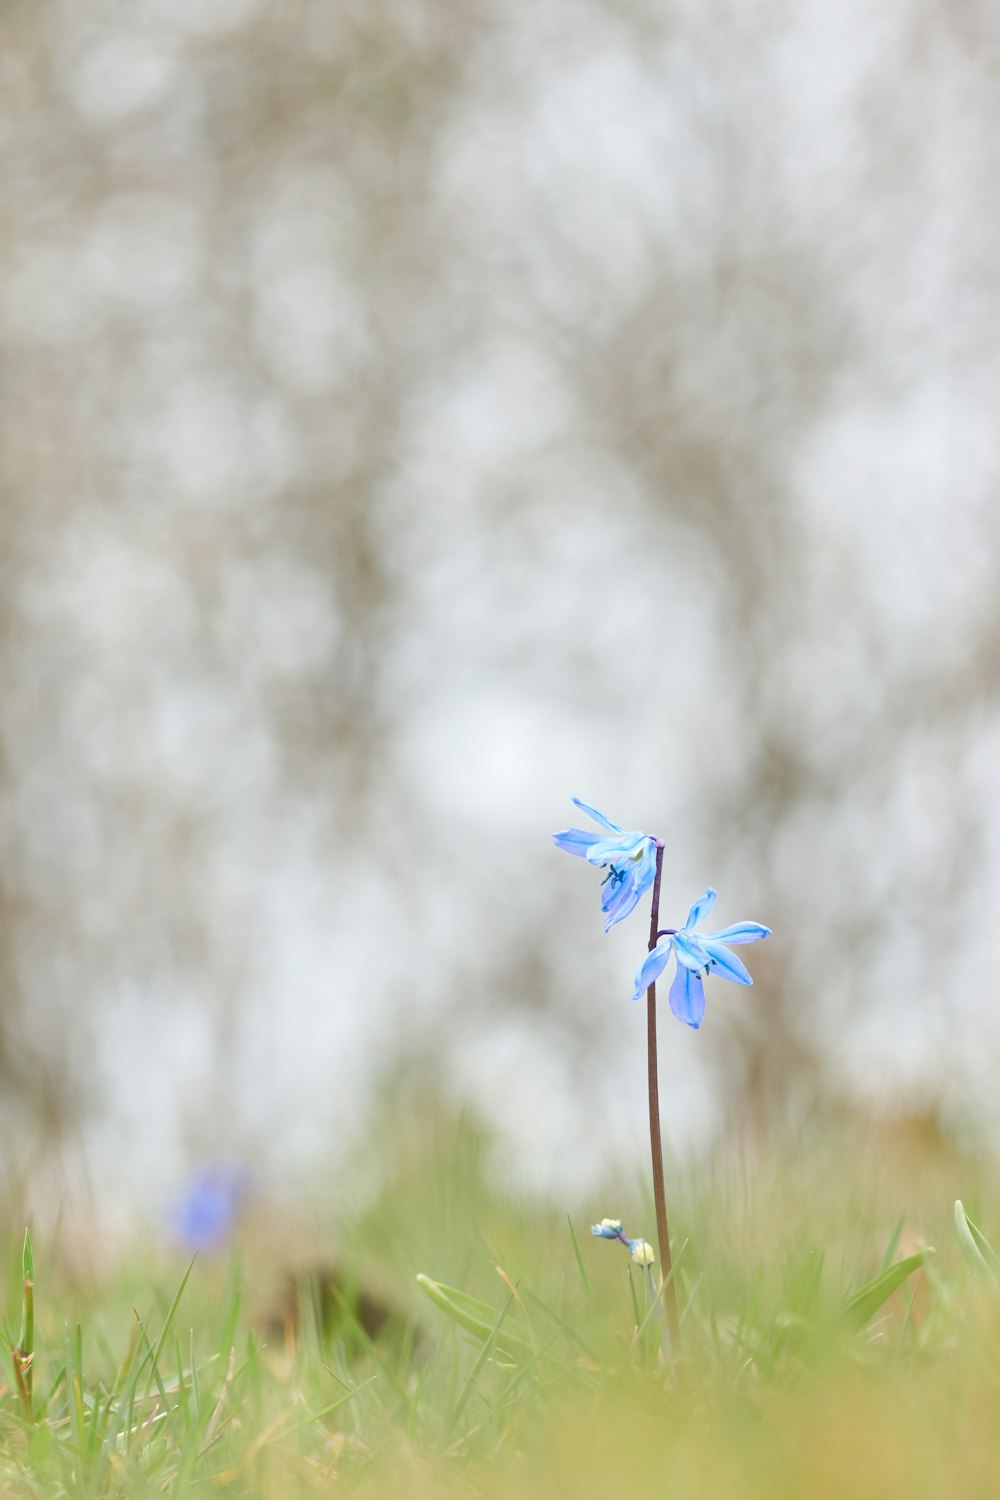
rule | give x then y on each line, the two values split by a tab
154	1372
976	1247
476	1317
23	1355
480	1361
585	1279
862	1305
893	1245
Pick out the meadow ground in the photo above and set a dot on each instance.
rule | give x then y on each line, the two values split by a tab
527	1362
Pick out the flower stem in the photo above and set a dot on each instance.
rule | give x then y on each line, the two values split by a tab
655	1144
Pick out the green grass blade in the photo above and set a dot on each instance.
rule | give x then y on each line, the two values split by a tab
154	1373
561	1325
195	1388
74	1389
689	1304
481	1358
233	1299
27	1258
656	1301
477	1318
584	1278
976	1247
129	1376
862	1305
183	1405
637	1318
893	1245
155	1376
371	1346
24	1355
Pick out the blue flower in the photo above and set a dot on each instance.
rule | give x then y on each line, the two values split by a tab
697	954
207	1212
630	856
641	1251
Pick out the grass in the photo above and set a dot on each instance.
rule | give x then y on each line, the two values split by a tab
827	1351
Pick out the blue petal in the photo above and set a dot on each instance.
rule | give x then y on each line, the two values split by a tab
691	952
575	840
628	880
687	997
652	967
647	868
610	850
598	817
606	851
618	899
209	1209
726	964
740	932
701	908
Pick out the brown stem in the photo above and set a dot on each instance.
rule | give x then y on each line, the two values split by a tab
655	1144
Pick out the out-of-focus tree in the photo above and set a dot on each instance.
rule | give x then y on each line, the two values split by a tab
414	414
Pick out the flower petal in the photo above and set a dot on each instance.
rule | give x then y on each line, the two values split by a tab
606	851
647	866
652	967
701	908
607	1229
687	997
691	951
726	964
575	840
642	1252
739	932
619	897
625	885
598	817
624	846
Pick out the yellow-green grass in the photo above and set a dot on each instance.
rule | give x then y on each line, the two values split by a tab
516	1367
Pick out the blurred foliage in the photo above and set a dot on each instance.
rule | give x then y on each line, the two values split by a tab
825	1349
414	414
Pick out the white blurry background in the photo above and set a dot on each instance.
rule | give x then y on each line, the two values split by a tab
413	414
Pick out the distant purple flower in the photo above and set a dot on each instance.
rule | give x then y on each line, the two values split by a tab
206	1214
629	856
698	954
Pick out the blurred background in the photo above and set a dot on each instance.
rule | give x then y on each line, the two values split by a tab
414	414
